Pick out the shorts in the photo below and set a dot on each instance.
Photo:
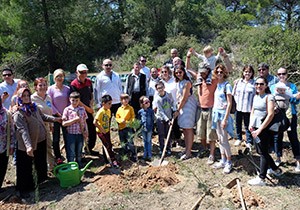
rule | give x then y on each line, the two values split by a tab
204	130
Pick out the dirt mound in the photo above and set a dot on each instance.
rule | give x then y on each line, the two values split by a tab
140	179
251	198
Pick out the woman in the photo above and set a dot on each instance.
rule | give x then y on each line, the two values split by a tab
243	93
21	84
31	135
221	119
186	109
44	103
59	94
282	75
7	141
261	116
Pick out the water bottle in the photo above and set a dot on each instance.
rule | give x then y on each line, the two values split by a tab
257	140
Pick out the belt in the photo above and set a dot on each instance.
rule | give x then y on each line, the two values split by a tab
205	109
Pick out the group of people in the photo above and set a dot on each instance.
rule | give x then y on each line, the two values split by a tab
160	98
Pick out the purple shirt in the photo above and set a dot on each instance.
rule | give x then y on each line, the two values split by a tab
60	98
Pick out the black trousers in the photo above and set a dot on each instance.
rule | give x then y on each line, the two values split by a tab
135	102
3	166
92	131
262	148
25	178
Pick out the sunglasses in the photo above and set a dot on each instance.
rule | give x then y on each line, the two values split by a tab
261	84
262	69
159	88
143	60
108	65
164	72
179	72
4	75
279	74
82	72
220	72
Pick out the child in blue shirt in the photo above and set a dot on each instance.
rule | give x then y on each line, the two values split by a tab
146	116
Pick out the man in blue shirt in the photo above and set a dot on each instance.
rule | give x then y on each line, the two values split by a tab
7	87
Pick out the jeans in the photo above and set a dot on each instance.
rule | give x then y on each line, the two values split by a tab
126	139
147	137
262	149
56	138
74	148
293	138
239	116
163	128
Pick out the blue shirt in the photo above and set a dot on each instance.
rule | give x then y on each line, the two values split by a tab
146	116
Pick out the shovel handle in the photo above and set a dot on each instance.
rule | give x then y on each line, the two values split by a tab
166	142
241	194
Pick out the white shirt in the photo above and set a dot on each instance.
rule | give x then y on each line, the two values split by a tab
145	70
107	85
10	89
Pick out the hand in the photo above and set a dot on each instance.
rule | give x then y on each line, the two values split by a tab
4	96
85	135
221	49
11	151
190	52
170	123
251	128
223	123
58	119
175	114
298	95
255	133
29	152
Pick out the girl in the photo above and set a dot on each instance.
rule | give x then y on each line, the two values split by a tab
146	116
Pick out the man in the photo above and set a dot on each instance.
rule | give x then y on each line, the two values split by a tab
7	87
83	85
108	82
152	82
263	71
136	86
174	53
206	98
144	69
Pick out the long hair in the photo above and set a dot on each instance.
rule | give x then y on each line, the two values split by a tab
249	68
180	67
223	68
267	90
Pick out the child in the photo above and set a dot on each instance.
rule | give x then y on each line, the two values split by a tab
165	107
210	59
102	123
74	118
124	116
282	96
146	116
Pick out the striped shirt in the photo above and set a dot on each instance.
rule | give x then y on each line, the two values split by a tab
243	93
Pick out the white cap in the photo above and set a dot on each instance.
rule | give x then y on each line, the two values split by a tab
280	85
82	67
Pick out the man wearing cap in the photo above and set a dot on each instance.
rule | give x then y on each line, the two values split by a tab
83	85
206	98
7	87
263	71
108	82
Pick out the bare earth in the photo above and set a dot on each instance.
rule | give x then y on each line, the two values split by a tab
175	186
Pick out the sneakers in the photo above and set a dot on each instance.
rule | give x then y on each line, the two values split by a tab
211	160
257	181
277	162
297	169
237	142
185	157
227	169
277	172
218	165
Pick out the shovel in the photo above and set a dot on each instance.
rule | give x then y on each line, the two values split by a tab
161	161
234	182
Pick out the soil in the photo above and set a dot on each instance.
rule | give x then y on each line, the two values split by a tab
177	185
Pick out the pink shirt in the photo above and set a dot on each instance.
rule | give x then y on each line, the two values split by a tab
70	113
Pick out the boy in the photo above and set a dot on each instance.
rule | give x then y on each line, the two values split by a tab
165	106
102	123
74	118
210	59
124	116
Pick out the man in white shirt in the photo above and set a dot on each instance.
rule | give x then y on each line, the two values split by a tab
7	87
108	82
144	69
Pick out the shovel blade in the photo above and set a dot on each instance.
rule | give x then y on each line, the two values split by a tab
231	183
157	162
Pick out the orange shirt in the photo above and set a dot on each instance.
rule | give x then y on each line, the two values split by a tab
206	93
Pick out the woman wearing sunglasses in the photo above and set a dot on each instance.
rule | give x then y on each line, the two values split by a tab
261	116
186	109
221	119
